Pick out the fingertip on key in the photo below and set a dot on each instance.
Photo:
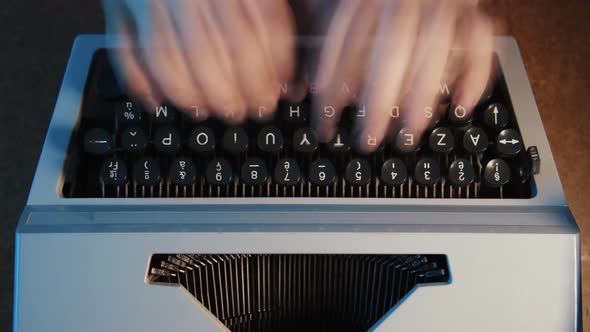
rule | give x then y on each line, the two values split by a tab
367	143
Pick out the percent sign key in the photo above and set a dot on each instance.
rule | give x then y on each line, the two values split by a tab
128	112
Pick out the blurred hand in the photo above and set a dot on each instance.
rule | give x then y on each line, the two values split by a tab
383	54
228	58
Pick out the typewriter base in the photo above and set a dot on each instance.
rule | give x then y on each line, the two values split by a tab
74	278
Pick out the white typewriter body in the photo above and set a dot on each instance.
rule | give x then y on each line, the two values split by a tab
81	263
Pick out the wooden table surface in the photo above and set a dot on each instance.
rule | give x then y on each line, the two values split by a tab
554	38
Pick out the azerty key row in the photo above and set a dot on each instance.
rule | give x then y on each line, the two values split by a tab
287	172
270	139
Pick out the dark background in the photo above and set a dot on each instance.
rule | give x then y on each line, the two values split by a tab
36	37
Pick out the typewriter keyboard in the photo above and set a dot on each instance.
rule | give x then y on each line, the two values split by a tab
121	150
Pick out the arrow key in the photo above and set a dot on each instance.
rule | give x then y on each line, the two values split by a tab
509	143
496	116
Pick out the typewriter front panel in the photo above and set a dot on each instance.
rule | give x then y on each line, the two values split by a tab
91	281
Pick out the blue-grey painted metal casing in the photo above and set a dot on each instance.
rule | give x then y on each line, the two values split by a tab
81	263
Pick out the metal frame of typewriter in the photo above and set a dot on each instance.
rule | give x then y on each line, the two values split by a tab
81	263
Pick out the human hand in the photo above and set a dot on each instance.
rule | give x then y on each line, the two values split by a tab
228	58
389	55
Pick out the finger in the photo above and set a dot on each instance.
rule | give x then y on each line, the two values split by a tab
125	60
435	37
477	38
163	54
275	26
343	86
253	69
390	57
201	40
335	39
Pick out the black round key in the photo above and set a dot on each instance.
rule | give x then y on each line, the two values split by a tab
432	115
358	172
496	116
146	172
427	172
488	92
167	139
235	140
340	143
128	112
509	143
322	172
475	140
202	140
442	140
254	172
163	114
113	172
133	139
219	172
97	141
183	172
461	173
305	140
371	141
394	172
459	115
270	139
287	172
406	141
293	113
496	173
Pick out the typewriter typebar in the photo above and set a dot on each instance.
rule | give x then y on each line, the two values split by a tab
158	220
298	292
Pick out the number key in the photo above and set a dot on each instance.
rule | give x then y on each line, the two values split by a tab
496	173
182	172
254	172
358	172
219	172
322	172
287	172
113	172
394	172
146	172
427	172
461	173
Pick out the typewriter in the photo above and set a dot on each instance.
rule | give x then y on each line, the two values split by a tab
151	220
